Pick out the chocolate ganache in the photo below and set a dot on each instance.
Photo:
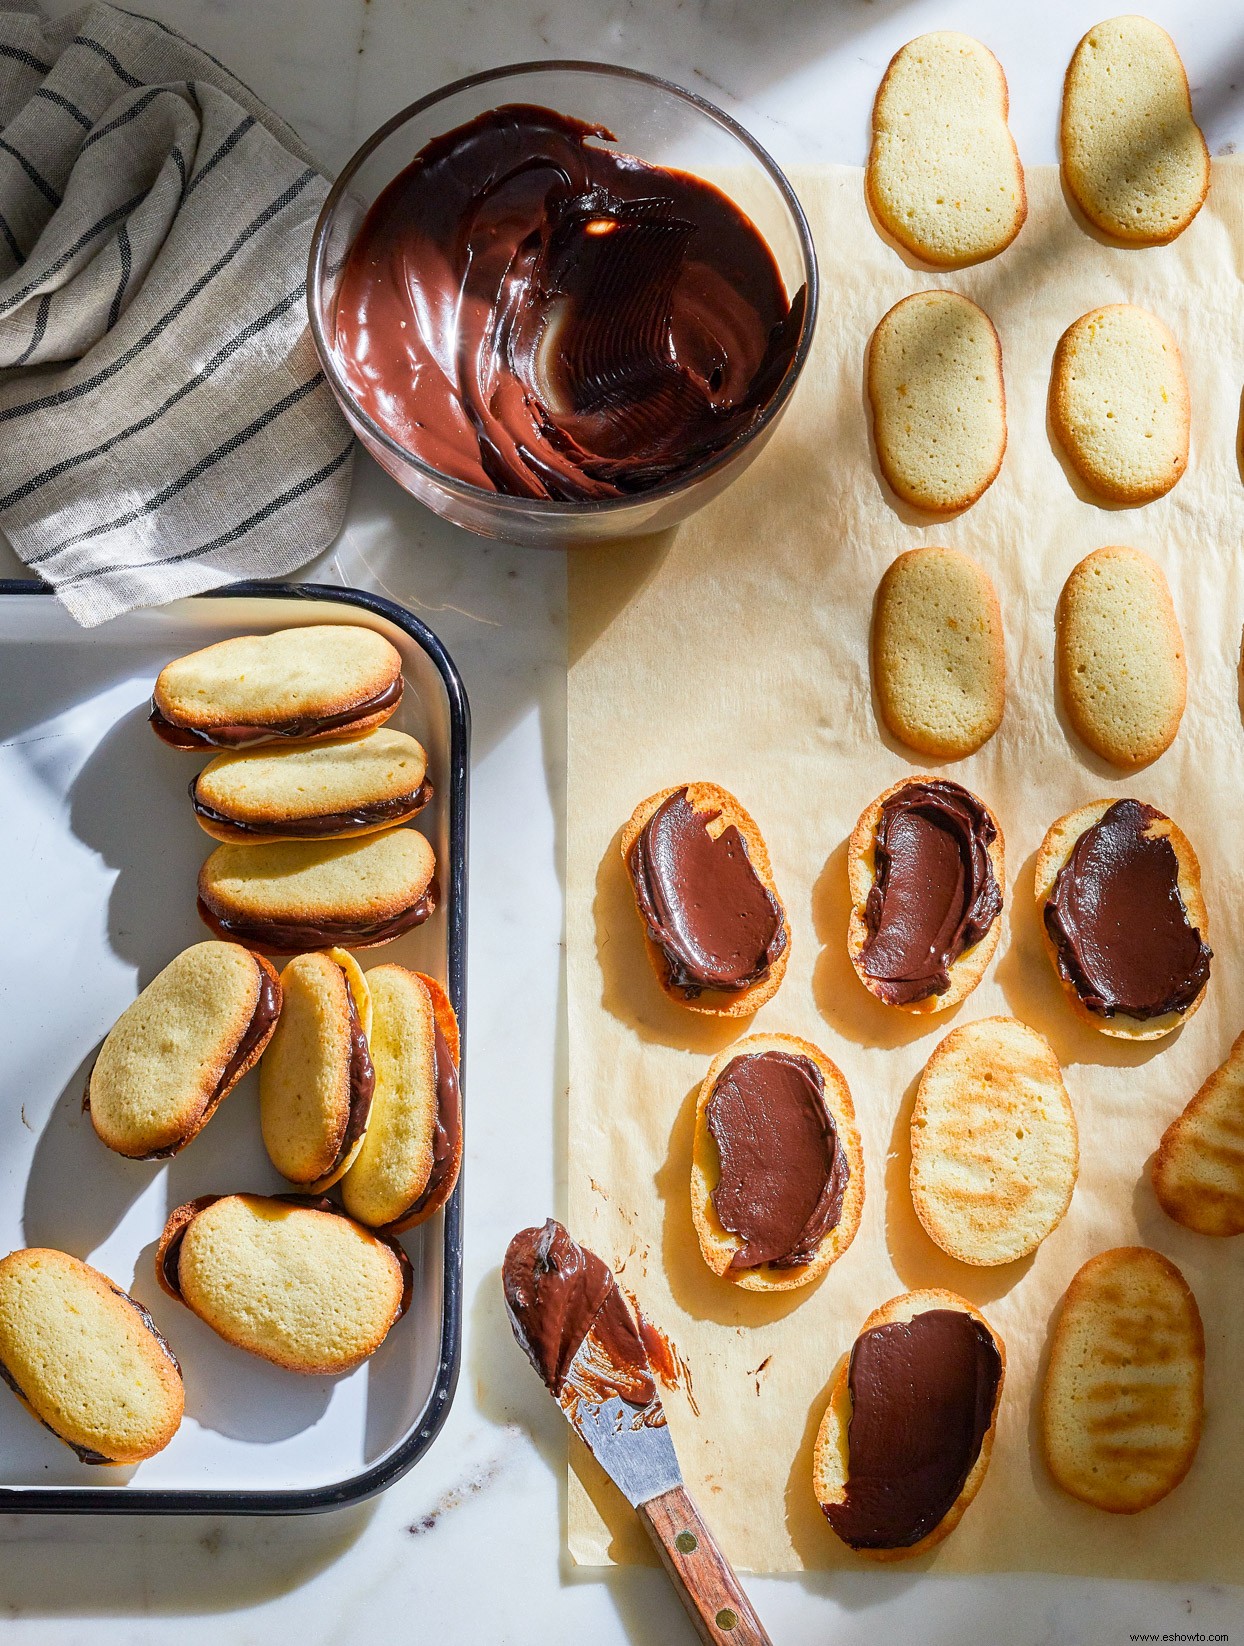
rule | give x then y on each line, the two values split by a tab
922	1400
705	907
447	1127
536	314
239	737
783	1170
284	937
368	814
1118	922
557	1293
934	892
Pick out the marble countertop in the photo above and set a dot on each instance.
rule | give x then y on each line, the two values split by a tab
468	1547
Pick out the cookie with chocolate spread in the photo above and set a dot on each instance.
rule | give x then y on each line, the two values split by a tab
1198	1173
1134	159
926	869
295	895
907	1436
1120	656
315	791
180	1048
934	375
994	1146
1119	403
777	1167
86	1359
938	659
943	176
323	680
408	1164
1119	899
316	1078
716	929
292	1280
1123	1400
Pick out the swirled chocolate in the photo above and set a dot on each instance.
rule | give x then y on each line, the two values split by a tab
783	1169
531	312
557	1294
284	937
373	814
240	737
922	1400
1118	923
705	907
934	892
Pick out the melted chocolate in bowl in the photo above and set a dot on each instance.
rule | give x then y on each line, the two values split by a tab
533	313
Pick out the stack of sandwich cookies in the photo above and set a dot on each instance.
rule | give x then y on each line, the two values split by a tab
296	1282
325	680
183	1045
316	1079
86	1359
407	1164
777	1168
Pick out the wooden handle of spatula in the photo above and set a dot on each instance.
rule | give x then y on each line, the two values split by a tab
721	1612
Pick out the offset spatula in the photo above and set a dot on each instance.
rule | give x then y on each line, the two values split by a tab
609	1398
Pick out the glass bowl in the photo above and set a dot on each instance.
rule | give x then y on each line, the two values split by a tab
650	118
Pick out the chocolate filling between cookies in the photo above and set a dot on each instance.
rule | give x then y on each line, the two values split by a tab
284	937
361	1078
1118	921
934	892
922	1398
373	814
446	1130
703	904
240	736
783	1170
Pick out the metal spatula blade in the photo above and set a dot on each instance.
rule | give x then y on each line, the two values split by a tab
632	1444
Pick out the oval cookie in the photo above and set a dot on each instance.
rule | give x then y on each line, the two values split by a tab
939	667
994	1148
1120	657
943	174
1198	1174
938	403
1119	403
1122	1404
1134	159
86	1359
760	1169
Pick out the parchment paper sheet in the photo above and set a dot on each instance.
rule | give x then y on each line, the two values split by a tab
736	650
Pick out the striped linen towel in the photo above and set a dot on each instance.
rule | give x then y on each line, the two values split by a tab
164	425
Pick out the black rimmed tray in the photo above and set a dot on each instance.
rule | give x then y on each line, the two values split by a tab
97	893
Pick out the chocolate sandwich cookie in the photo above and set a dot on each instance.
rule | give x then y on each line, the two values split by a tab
294	895
717	932
181	1048
777	1170
324	680
926	871
86	1359
908	1432
408	1162
320	791
292	1280
316	1078
1119	897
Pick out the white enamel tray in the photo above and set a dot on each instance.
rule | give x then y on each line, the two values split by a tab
99	853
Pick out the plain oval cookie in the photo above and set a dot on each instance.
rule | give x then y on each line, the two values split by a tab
718	1244
943	174
1120	657
994	1146
1123	1399
939	664
86	1359
938	402
1133	157
299	1284
1198	1173
1119	403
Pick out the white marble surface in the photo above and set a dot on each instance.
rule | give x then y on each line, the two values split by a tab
467	1549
